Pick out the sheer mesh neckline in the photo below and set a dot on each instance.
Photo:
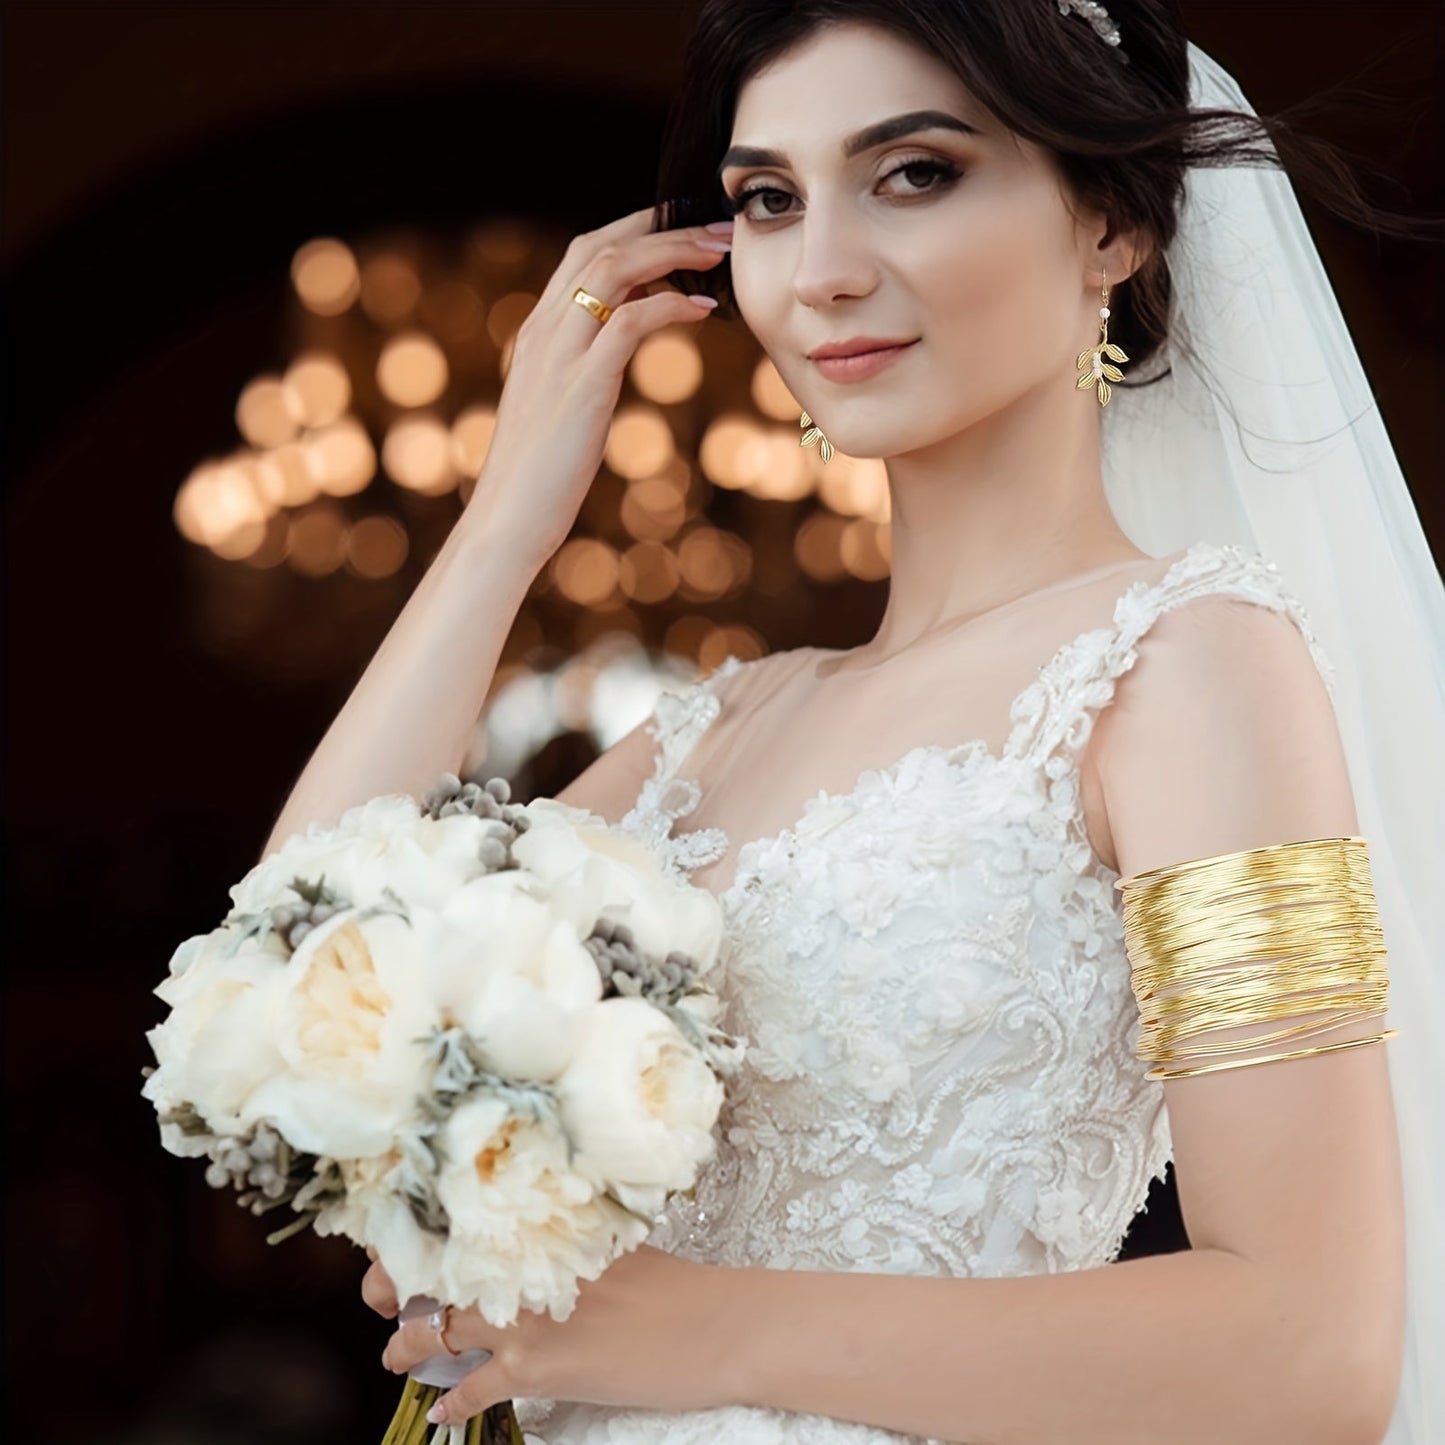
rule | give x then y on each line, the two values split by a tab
1027	713
1061	584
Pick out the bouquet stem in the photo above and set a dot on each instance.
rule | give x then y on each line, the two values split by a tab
496	1425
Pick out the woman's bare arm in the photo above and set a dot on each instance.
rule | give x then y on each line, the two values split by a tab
412	713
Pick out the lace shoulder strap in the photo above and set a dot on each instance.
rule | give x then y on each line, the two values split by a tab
678	720
1056	712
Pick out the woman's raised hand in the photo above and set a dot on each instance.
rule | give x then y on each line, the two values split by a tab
566	374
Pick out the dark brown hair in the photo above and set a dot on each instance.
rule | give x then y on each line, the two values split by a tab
1123	135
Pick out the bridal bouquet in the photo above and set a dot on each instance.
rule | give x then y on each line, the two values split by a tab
471	1035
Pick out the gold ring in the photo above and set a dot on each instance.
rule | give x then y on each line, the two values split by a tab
599	308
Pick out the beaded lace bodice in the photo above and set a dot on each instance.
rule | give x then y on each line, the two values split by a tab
929	971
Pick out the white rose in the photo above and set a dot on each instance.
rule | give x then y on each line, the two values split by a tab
596	871
510	972
525	1227
215	1047
383	845
638	1099
350	1013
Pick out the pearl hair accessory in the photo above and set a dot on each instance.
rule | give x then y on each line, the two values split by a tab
1098	17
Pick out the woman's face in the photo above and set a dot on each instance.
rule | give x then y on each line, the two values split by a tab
957	237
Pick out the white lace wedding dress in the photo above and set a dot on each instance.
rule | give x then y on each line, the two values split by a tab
929	968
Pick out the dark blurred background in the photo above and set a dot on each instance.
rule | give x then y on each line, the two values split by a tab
262	265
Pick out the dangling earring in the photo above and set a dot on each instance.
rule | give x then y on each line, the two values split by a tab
1093	357
813	434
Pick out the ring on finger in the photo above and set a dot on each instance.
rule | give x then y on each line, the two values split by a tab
439	1319
598	307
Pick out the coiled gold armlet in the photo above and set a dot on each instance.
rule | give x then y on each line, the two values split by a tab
1254	937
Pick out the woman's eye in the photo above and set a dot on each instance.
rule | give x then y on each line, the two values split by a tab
941	172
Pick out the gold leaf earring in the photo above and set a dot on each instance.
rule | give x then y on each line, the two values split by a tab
1092	357
813	434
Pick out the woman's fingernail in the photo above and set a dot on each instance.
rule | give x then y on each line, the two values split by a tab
714	245
437	1413
720	228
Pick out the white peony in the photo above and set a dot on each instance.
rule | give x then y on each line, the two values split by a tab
215	1046
596	871
375	1212
525	1226
638	1100
384	844
350	1014
509	971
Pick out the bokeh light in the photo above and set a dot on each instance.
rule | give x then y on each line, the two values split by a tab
639	442
501	244
265	414
471	440
667	367
782	471
586	570
376	546
654	508
341	457
818	547
412	369
217	500
318	540
284	476
317	388
861	551
855	487
771	395
454	310
417	454
713	563
390	289
507	315
734	451
731	640
649	572
326	277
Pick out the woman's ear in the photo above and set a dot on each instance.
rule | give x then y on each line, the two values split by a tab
1122	253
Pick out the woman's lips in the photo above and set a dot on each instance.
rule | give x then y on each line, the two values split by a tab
860	364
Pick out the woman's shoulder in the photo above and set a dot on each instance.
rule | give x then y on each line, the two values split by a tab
1225	694
766	667
1227	597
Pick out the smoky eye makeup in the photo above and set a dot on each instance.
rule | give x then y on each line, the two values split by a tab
923	175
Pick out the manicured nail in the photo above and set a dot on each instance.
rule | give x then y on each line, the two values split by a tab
437	1413
720	228
714	245
707	302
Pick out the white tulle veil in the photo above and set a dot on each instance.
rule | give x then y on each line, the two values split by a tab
1266	434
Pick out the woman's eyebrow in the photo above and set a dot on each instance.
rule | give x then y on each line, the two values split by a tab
877	134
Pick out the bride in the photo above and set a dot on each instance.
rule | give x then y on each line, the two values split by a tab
1147	536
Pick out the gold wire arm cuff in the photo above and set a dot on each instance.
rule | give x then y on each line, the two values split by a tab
1268	1058
1255	937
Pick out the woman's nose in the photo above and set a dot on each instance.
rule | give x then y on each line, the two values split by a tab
834	260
